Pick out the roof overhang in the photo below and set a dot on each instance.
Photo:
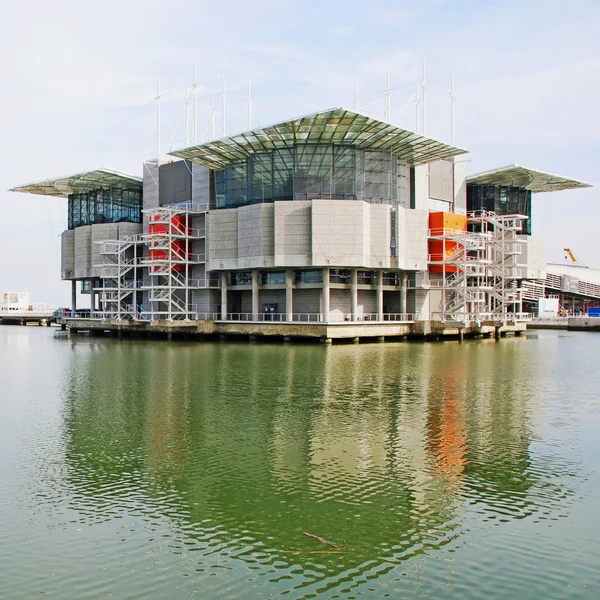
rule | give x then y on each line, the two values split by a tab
79	183
529	179
338	126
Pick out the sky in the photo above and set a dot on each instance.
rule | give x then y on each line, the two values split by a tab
79	82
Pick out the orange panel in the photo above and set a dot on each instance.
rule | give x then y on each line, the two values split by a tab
440	222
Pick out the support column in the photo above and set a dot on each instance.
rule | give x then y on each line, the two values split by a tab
380	295
354	294
74	295
92	301
224	296
255	308
289	296
326	294
403	294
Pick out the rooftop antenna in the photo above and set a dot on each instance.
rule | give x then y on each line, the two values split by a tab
158	122
212	116
424	88
452	107
223	102
387	99
355	94
417	92
195	105
187	118
249	104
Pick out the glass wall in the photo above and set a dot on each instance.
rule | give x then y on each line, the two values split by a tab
501	199
111	205
309	171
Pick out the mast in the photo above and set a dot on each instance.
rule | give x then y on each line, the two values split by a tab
158	122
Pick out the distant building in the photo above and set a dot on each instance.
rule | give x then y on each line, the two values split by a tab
14	301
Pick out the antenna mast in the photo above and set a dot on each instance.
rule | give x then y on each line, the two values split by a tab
452	107
187	118
158	122
424	102
355	94
212	116
249	104
223	102
195	105
387	99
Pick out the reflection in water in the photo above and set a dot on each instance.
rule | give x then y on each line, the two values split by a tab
235	450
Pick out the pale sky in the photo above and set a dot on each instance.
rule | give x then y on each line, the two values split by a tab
79	81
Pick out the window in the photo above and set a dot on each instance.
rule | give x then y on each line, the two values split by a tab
111	205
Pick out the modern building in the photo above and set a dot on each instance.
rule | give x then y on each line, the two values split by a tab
330	218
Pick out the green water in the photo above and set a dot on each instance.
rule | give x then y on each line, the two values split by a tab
185	470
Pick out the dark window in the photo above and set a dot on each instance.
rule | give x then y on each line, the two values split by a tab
112	205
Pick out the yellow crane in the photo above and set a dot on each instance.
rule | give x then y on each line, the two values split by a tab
571	255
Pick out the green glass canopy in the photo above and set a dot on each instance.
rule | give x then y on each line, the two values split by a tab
336	126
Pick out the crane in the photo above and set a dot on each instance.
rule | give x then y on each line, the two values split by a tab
570	255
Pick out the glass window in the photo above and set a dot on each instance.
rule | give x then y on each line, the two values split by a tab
312	276
112	205
309	171
340	276
272	278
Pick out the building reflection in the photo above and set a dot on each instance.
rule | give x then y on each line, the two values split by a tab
250	445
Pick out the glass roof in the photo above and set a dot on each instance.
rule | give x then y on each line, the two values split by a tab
521	177
79	183
338	126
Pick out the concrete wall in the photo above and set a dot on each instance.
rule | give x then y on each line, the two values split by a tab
85	249
292	234
441	180
367	301
307	301
343	233
340	304
412	239
460	185
201	186
67	254
255	236
534	256
149	189
441	185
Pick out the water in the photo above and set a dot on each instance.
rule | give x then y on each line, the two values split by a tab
155	470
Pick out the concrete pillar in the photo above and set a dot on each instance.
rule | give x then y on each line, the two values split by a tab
326	294
255	307
404	293
74	295
289	296
354	294
224	296
92	301
380	295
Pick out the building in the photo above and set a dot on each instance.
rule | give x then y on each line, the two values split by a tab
331	218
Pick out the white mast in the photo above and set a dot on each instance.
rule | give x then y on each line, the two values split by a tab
249	104
195	105
158	122
452	107
417	93
223	103
387	99
187	118
355	94
212	116
424	102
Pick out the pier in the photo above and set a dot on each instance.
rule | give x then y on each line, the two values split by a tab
315	331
